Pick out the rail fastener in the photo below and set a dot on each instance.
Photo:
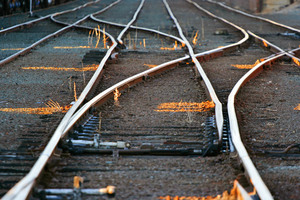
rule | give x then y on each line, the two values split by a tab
76	193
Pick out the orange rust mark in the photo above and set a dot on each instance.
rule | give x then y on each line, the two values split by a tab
87	68
77	181
75	95
297	107
234	194
296	60
185	107
12	49
96	31
175	47
150	66
75	47
117	94
247	66
265	43
195	38
52	107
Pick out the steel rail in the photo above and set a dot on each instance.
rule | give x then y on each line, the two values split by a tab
254	16
117	24
126	83
257	181
40	19
27	49
97	73
246	36
21	189
119	38
138	28
263	191
218	105
261	188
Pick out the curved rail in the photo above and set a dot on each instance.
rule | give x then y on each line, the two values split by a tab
22	189
263	191
218	105
27	184
121	86
256	17
261	188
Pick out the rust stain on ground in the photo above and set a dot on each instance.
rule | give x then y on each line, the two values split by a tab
75	47
185	106
52	107
12	49
296	61
247	66
87	68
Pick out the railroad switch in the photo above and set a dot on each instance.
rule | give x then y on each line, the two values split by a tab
211	146
227	145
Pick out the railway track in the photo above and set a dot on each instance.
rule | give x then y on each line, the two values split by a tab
138	127
283	36
37	127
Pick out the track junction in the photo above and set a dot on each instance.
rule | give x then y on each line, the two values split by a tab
154	102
